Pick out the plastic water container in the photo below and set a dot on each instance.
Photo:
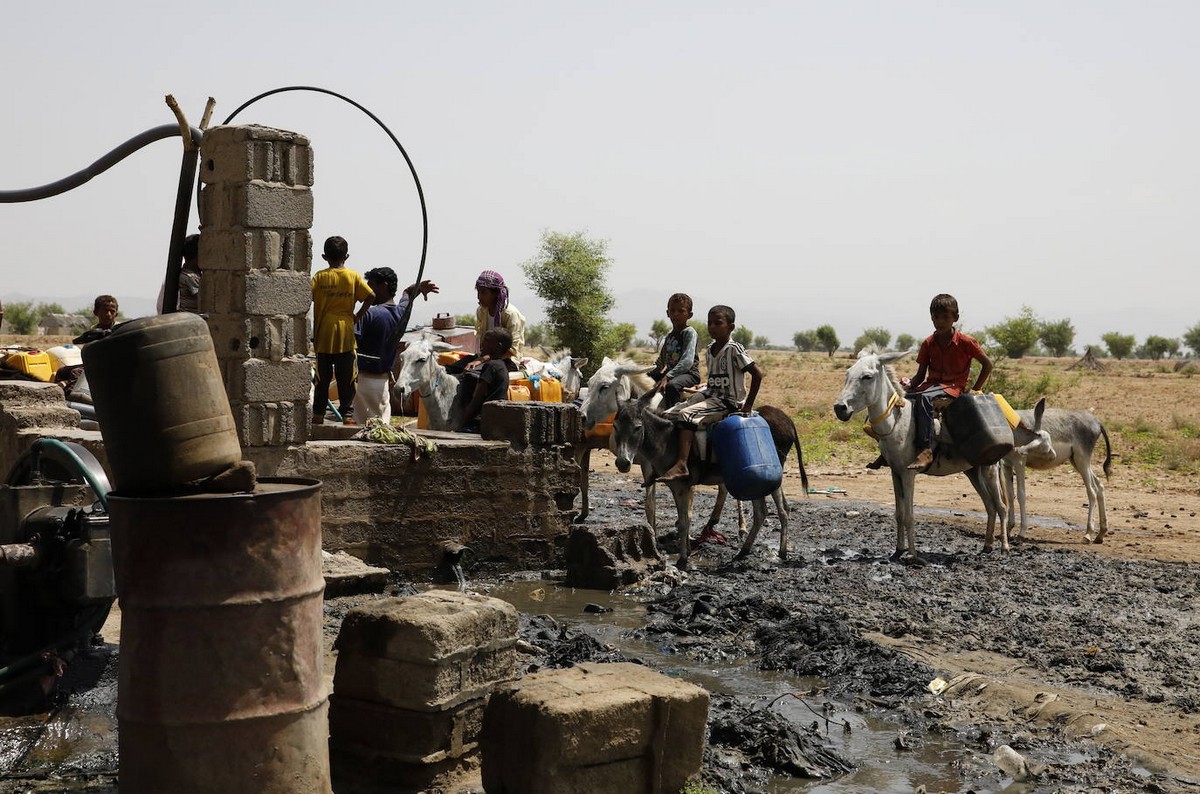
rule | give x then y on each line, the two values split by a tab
746	453
448	357
163	411
547	390
65	356
33	363
979	428
519	390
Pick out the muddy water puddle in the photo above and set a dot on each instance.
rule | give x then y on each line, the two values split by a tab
870	742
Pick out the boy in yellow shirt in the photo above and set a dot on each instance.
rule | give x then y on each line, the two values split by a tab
335	291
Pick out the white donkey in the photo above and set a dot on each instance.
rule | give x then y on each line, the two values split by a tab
1071	436
871	386
420	372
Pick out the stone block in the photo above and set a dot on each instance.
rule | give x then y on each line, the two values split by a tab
246	336
271	424
428	652
362	728
265	205
255	205
430	627
237	158
346	574
258	380
424	687
531	424
608	556
261	292
599	728
240	250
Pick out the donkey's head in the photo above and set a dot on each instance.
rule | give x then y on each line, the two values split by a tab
868	381
629	430
606	387
1040	446
419	369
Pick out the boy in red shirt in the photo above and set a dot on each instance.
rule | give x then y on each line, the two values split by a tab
943	366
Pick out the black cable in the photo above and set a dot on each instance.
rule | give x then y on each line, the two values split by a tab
412	169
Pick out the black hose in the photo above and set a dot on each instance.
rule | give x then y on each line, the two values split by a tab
95	169
187	175
412	169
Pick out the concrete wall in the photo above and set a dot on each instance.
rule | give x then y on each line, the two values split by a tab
509	499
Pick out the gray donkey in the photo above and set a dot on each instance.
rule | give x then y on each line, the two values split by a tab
1073	436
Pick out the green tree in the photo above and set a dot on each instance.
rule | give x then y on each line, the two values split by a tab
658	331
1191	338
827	339
805	341
873	336
467	320
1057	337
1155	347
1119	345
20	317
568	274
761	343
1016	335
539	335
743	336
905	342
703	339
23	317
621	335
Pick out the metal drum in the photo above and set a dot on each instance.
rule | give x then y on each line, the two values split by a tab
221	685
161	403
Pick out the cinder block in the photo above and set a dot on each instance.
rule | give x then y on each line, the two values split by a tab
257	380
245	336
607	556
421	686
531	424
265	205
429	628
263	292
599	728
224	159
240	249
363	728
271	424
297	251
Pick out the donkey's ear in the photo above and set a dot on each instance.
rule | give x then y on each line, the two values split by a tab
444	347
895	355
1038	410
630	369
646	398
579	362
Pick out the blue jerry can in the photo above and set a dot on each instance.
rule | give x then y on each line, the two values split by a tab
746	453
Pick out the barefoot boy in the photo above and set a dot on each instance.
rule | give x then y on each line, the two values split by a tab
725	392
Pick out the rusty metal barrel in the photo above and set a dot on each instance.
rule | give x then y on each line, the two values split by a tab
161	403
221	686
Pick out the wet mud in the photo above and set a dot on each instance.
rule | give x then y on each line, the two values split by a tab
1085	664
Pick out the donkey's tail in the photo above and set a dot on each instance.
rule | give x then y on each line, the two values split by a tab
1107	454
800	460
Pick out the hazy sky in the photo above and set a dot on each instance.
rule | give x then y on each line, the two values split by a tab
804	162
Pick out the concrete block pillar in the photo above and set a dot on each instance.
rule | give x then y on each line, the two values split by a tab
256	211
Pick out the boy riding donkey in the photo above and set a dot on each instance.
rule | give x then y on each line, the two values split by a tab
725	393
943	367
